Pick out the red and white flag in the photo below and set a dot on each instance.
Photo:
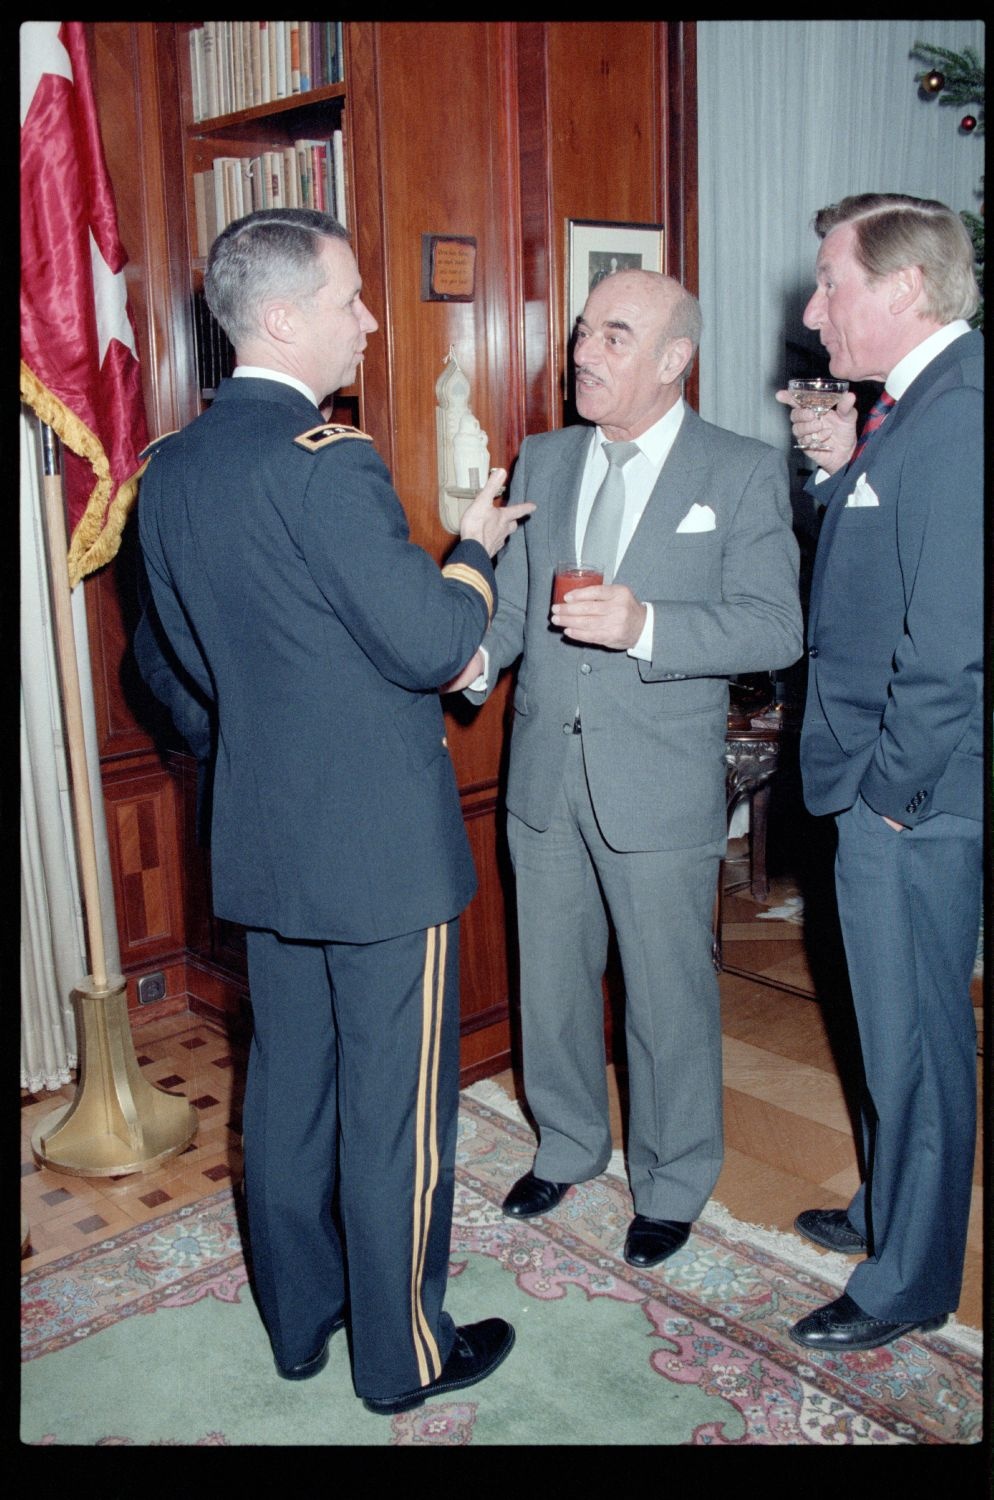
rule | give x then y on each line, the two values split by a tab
79	358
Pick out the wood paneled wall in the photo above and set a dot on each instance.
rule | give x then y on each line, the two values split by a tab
498	130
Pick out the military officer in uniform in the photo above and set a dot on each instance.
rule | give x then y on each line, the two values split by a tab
282	571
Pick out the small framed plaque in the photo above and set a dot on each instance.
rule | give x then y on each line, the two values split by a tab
448	268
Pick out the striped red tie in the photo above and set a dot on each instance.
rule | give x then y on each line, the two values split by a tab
878	411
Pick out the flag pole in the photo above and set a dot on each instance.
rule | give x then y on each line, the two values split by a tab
117	1122
65	650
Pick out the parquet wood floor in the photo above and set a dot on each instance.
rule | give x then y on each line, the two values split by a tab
789	1140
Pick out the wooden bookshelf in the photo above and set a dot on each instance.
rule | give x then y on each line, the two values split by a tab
233	124
278	125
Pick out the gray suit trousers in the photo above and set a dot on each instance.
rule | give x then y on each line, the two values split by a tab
569	881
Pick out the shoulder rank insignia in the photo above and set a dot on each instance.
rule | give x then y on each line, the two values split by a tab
156	443
328	432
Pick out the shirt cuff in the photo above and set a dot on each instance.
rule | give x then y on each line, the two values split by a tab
479	684
642	648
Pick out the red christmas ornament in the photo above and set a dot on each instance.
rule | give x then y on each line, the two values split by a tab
968	123
934	82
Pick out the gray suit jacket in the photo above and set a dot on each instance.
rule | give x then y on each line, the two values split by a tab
725	601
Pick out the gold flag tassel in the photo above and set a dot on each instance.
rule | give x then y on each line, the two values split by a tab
98	535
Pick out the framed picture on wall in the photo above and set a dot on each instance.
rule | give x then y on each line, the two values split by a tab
595	250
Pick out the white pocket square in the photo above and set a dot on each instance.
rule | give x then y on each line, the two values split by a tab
698	518
863	494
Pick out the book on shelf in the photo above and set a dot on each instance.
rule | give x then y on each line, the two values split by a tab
314	163
237	73
208	41
281	73
237	65
336	58
306	72
254	44
338	174
304	174
264	30
224	80
291	182
293	38
277	182
229	188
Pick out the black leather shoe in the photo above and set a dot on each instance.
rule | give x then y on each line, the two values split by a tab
478	1349
830	1228
650	1241
532	1195
317	1361
842	1325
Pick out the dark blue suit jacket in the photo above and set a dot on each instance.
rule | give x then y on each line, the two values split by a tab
286	581
895	632
166	677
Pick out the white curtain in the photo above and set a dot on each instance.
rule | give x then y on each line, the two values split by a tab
794	115
53	947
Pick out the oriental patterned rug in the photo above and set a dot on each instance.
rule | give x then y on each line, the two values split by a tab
152	1338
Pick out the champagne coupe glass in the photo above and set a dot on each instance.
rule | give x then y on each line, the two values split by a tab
818	396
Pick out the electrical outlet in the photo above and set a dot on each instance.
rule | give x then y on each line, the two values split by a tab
151	987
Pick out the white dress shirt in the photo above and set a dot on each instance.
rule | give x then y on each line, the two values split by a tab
910	367
641	473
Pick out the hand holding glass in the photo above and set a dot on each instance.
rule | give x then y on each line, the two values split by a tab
575	575
816	396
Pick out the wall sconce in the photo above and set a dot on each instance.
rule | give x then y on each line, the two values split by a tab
463	455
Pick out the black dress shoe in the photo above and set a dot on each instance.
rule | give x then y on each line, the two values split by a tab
478	1349
532	1195
842	1325
650	1241
317	1361
830	1228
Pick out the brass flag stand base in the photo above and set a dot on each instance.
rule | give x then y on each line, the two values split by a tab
118	1122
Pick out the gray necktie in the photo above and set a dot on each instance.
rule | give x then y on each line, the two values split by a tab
600	540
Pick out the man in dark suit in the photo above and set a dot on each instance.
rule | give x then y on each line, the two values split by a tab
893	738
616	789
281	568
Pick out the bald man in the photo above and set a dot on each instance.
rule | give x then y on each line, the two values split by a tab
616	792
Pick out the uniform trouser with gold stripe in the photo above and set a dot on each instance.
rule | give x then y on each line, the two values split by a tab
350	1126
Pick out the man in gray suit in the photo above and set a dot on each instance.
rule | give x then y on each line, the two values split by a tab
616	803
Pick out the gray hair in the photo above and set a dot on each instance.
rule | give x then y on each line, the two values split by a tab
686	321
273	252
893	230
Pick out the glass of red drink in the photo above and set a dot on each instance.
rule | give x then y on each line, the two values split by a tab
575	575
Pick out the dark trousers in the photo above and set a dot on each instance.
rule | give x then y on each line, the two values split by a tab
353	1084
909	904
